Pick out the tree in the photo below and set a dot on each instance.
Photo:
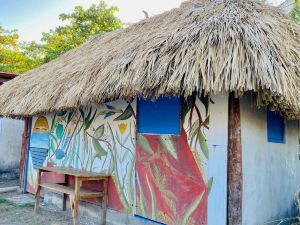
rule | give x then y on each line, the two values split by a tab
12	57
295	13
81	25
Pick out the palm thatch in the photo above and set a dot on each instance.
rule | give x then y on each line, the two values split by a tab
207	47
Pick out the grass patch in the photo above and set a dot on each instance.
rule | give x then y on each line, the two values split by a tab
6	202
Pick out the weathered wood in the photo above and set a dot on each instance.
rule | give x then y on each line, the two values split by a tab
64	201
73	172
105	201
235	175
76	193
23	153
37	194
83	192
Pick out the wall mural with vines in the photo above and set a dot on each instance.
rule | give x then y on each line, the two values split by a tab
160	177
98	139
172	187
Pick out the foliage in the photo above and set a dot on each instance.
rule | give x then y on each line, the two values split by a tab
15	57
80	25
295	13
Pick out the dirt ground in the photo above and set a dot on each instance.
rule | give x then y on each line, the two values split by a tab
17	209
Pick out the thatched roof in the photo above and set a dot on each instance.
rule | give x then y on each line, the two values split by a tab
204	46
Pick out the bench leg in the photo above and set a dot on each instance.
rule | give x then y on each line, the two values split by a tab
74	207
37	193
64	202
37	199
105	201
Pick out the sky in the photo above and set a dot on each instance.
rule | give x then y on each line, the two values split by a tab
32	17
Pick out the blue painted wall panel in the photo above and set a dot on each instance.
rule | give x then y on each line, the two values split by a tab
159	117
276	130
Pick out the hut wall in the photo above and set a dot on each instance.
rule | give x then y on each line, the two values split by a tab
10	149
271	171
181	179
177	179
99	139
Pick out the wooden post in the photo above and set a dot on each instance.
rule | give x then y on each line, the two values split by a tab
75	201
23	153
235	175
38	192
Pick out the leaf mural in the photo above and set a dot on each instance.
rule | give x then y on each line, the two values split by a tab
89	121
203	145
99	150
126	114
205	101
190	210
99	132
153	200
143	142
62	113
142	201
169	144
70	116
209	184
59	154
59	131
194	130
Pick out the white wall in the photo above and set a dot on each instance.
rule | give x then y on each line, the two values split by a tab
10	144
217	164
271	172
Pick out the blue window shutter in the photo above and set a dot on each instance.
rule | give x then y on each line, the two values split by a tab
276	127
161	116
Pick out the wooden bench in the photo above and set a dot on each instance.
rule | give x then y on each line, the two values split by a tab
76	193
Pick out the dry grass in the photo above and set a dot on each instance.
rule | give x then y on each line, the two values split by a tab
204	46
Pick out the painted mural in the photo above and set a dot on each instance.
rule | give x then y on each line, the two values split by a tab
171	185
159	177
99	139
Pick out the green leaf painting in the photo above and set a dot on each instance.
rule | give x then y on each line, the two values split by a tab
191	209
99	132
98	148
59	131
126	114
143	142
168	143
209	184
203	145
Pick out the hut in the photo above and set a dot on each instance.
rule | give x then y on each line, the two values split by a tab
10	141
193	113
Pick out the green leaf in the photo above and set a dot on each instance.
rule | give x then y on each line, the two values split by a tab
90	121
142	201
99	132
59	131
143	142
209	184
188	104
194	130
169	144
61	113
126	114
203	145
206	121
153	200
98	148
70	115
190	210
205	101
